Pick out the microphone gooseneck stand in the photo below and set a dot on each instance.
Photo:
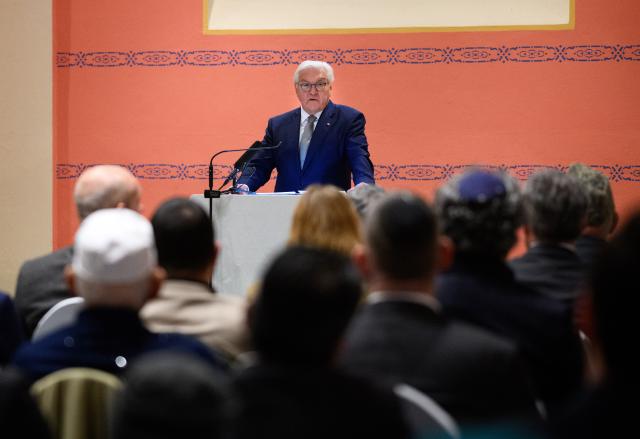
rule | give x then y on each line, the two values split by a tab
238	167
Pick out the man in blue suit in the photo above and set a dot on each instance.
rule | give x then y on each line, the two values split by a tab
321	142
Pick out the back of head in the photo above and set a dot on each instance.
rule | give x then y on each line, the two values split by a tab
480	211
401	234
306	300
18	410
325	218
555	206
171	395
184	236
114	258
106	186
364	197
615	300
601	208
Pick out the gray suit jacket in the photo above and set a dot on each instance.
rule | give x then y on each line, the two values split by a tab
41	285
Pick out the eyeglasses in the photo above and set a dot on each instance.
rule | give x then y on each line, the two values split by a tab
319	86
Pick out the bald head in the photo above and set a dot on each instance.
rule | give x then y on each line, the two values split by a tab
106	186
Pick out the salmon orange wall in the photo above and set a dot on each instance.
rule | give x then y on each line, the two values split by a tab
138	83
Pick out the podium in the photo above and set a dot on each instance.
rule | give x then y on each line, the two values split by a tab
250	230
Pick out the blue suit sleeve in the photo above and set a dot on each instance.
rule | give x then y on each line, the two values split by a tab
357	150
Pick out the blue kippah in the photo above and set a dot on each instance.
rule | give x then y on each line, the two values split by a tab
480	186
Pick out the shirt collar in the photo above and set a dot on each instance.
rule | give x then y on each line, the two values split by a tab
404	296
304	115
565	245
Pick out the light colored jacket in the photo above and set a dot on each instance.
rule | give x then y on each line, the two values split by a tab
191	308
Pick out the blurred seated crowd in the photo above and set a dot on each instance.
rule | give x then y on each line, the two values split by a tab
384	316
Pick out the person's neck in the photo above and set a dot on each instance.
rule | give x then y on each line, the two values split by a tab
419	286
600	232
203	277
533	241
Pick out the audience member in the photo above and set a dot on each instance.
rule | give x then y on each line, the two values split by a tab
186	303
41	281
364	196
306	300
480	212
609	410
555	208
325	218
602	217
400	335
114	269
19	414
601	220
171	396
10	329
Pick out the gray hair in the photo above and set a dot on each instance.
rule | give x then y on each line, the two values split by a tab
364	196
555	206
485	226
601	208
311	64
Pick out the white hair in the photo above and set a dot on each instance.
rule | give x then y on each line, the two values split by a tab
311	64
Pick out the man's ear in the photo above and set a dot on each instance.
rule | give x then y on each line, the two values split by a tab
361	259
250	317
216	252
70	279
528	235
614	222
158	275
445	253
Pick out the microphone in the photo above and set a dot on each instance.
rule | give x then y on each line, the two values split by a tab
244	158
242	161
210	193
241	164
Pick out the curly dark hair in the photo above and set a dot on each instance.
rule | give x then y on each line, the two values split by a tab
484	225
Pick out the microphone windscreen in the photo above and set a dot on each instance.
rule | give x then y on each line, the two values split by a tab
247	155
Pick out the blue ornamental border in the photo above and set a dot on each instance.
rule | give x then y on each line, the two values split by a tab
383	172
588	53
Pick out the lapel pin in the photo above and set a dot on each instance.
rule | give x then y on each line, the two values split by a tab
328	124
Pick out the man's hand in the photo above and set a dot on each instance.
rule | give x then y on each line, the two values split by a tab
242	189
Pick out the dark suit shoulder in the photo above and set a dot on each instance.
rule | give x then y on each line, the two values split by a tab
401	325
57	258
551	270
347	110
284	117
41	285
472	373
479	340
312	402
343	110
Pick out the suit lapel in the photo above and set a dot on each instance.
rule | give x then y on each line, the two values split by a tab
290	145
323	126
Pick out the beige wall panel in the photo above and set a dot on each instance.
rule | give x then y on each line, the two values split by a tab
381	14
25	134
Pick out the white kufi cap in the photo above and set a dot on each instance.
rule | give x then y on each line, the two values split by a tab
114	246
